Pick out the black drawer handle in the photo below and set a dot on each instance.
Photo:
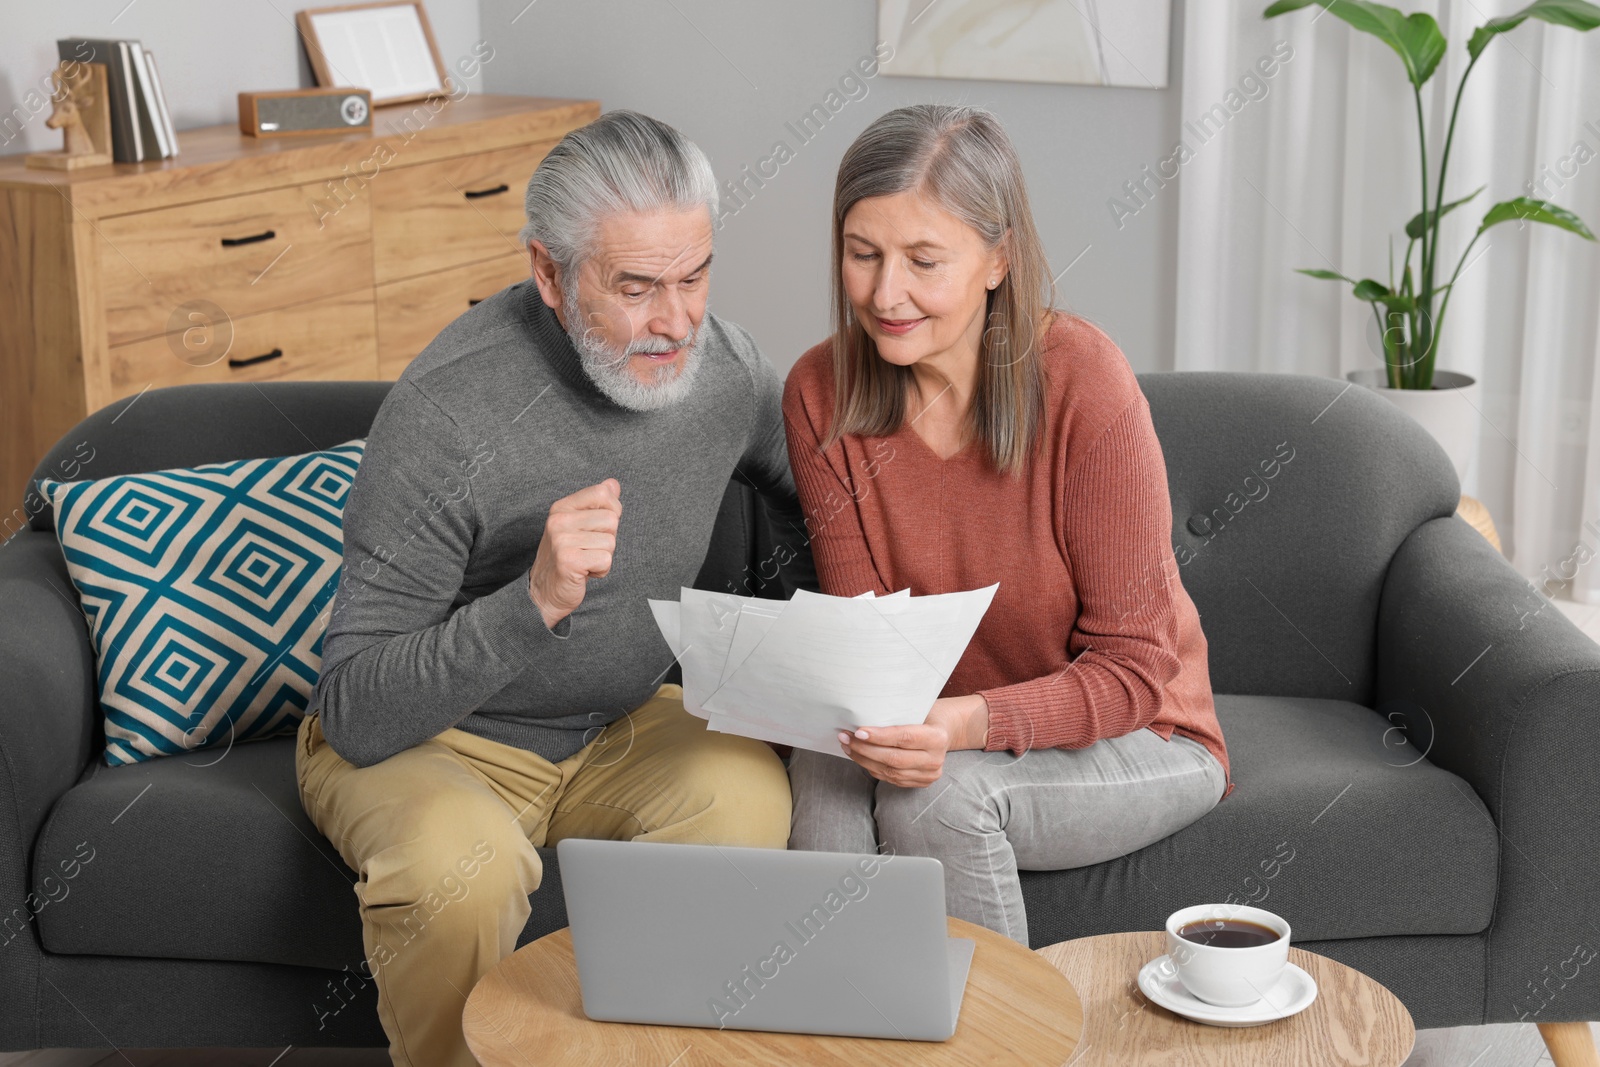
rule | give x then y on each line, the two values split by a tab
274	354
234	242
473	194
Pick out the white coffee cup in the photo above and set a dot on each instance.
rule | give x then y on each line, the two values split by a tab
1227	977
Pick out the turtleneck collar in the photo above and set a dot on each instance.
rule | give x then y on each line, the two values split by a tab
553	344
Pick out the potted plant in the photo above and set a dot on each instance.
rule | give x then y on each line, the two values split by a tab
1410	311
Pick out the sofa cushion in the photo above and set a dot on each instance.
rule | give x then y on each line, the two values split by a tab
208	857
1288	501
222	852
198	856
204	589
1336	823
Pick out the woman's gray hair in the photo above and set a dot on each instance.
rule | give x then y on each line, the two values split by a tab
961	158
622	161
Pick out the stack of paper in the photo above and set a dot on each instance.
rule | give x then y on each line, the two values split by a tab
798	672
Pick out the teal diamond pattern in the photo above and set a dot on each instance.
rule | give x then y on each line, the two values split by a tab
202	589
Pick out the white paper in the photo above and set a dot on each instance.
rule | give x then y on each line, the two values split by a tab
666	613
766	732
800	671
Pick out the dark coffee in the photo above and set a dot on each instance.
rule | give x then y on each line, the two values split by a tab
1227	933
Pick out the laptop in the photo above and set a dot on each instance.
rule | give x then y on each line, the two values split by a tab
763	939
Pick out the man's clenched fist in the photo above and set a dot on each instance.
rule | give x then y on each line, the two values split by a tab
579	539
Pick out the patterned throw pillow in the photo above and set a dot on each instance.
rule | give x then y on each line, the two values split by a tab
204	592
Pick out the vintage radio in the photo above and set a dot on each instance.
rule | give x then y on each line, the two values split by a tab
292	111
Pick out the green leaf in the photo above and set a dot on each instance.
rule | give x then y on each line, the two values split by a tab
1367	289
1416	39
1528	209
1575	14
1398	304
1423	221
1332	276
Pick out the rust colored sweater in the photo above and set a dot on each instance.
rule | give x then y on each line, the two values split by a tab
1084	639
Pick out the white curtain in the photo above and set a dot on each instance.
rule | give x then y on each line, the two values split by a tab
1322	169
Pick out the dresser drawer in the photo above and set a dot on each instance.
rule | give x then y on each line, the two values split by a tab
456	211
245	254
411	313
331	339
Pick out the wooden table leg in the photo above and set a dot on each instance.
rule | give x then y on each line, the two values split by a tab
1570	1044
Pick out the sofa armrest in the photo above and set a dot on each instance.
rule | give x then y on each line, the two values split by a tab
47	726
47	680
1499	687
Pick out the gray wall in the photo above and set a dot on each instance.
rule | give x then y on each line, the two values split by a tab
731	73
208	51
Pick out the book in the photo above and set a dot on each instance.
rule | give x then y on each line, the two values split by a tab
151	129
127	142
161	100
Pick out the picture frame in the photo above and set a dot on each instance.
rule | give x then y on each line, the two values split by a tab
383	46
1124	43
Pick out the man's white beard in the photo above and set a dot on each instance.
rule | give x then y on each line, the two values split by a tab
608	368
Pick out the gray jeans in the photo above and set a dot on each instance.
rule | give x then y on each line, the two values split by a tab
991	813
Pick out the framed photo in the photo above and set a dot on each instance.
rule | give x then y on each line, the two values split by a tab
385	47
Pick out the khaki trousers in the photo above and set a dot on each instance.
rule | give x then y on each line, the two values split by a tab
442	838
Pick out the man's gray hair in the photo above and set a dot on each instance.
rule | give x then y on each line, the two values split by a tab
622	161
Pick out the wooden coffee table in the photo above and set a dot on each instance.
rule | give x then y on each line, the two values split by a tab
1354	1020
1018	1010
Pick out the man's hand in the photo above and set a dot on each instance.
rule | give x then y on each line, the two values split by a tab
580	537
913	756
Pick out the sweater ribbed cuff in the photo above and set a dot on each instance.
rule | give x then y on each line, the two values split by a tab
512	624
1031	715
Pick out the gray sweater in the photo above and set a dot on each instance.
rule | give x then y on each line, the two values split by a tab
433	627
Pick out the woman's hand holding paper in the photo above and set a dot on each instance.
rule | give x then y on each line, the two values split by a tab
913	756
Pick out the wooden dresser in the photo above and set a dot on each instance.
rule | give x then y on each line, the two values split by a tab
333	256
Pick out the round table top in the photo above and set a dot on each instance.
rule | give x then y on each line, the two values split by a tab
1477	516
1354	1020
1018	1009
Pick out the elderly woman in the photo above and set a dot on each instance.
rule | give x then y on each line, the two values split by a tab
955	431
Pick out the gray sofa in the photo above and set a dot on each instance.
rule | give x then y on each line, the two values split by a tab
1418	774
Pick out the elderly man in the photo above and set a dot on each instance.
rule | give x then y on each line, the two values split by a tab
490	676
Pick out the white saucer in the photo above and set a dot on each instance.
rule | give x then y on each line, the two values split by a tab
1293	993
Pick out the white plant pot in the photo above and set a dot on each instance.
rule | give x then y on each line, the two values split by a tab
1448	411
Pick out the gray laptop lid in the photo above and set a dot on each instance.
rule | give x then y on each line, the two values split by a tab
763	939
